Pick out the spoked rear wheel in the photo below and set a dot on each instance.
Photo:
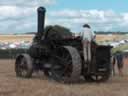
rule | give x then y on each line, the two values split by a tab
23	66
66	65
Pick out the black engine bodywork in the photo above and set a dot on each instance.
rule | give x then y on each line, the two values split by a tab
47	44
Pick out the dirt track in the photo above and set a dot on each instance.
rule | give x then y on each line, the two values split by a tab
10	85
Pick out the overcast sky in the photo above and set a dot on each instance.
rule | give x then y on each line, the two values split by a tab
20	16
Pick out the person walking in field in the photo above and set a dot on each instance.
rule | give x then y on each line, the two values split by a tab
87	37
118	60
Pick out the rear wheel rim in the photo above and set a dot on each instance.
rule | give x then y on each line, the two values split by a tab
69	65
64	63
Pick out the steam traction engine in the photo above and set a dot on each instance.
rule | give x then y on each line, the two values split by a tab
60	57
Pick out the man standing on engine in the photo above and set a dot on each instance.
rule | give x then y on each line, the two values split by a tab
87	37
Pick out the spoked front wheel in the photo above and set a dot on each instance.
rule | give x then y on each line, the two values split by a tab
24	66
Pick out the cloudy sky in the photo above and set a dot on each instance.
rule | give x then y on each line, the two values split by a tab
20	16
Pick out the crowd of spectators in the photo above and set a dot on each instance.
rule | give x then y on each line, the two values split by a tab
15	45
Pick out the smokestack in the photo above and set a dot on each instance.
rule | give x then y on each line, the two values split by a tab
41	20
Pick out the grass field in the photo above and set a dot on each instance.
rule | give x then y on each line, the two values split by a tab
18	38
15	38
113	37
39	85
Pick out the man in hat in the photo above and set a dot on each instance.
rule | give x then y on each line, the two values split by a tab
87	37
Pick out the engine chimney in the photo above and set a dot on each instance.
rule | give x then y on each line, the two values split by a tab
41	21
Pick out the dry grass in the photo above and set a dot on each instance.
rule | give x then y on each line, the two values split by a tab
18	38
110	37
15	38
39	85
